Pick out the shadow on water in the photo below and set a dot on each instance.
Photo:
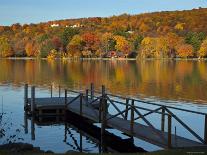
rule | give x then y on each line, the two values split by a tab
109	143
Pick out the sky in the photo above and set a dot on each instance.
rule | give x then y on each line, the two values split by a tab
35	11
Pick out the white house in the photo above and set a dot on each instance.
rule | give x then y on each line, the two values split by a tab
54	25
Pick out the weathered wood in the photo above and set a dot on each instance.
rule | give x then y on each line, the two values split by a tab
143	132
86	96
66	96
103	115
127	109
25	123
169	131
33	99
59	90
32	129
81	104
92	91
185	125
51	91
25	95
163	119
205	130
132	117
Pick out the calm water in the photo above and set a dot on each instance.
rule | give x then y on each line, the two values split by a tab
176	83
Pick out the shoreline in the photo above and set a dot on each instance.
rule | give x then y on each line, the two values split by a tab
109	59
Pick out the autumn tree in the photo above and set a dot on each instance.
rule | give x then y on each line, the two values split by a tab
203	49
75	46
31	49
5	47
91	42
107	42
122	44
185	51
148	47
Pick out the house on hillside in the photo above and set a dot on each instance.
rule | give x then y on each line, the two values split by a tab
54	25
115	54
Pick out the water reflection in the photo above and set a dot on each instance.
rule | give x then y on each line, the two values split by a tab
167	79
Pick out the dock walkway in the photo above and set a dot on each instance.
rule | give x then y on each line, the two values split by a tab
95	109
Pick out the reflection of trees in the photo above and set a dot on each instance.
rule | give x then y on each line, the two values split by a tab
162	78
7	136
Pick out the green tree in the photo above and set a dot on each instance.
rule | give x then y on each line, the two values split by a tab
67	35
195	39
45	48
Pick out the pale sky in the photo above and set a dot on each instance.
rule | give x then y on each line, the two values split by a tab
35	11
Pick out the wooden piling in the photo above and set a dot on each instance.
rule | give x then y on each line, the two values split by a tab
86	96
51	91
132	117
32	128
66	94
103	111
81	104
59	91
169	131
25	95
92	91
32	99
127	109
25	123
163	119
205	130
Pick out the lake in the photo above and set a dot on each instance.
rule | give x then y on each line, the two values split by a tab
181	83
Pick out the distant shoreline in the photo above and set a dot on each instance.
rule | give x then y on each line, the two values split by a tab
120	59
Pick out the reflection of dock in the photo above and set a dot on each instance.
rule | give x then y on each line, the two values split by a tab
110	143
95	108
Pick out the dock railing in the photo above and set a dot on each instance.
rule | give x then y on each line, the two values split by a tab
131	108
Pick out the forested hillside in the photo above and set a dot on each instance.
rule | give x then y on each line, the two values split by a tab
150	35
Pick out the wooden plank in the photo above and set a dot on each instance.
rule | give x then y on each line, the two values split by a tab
140	131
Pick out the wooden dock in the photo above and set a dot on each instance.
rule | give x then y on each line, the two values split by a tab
95	109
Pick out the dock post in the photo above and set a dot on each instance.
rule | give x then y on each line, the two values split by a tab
25	123
205	130
132	117
81	104
163	119
25	96
59	91
104	111
92	91
32	128
127	109
66	94
169	130
86	96
51	91
33	99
